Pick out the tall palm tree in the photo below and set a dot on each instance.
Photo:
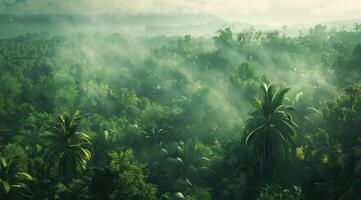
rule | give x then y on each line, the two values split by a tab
13	183
68	147
270	129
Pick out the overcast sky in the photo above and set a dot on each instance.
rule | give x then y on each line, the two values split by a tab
263	11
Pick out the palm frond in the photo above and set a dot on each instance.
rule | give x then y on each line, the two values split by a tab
24	175
252	133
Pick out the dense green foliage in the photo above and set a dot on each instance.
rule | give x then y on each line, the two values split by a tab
92	116
11	181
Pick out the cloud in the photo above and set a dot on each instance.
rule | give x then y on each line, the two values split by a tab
272	10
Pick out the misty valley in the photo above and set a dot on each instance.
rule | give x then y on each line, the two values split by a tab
234	115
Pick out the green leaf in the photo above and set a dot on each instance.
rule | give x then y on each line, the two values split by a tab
252	133
278	98
5	186
24	175
315	110
286	107
264	87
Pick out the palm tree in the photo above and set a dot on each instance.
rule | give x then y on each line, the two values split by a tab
13	183
270	129
68	147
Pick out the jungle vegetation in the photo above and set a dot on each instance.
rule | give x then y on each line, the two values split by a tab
241	115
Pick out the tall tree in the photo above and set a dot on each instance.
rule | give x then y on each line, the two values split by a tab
68	147
270	129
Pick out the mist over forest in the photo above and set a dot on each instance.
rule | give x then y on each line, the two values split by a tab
175	100
197	25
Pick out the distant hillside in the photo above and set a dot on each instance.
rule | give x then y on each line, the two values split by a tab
108	19
143	25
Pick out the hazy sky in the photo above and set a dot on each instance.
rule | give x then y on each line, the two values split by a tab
268	11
